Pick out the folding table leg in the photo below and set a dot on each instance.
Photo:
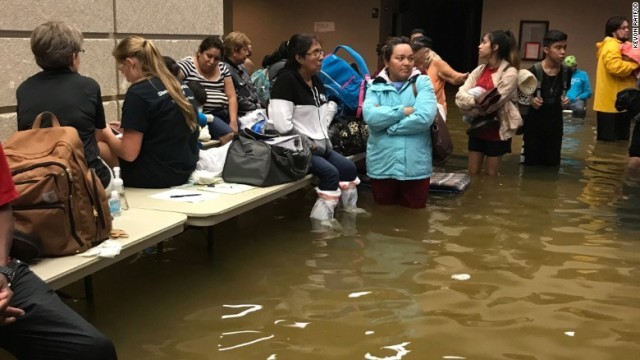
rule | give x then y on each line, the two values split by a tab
88	289
210	240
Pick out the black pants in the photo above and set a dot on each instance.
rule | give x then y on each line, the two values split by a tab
49	329
613	126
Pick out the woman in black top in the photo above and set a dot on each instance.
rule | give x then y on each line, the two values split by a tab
159	145
59	88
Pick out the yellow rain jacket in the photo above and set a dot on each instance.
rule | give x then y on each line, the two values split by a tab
612	75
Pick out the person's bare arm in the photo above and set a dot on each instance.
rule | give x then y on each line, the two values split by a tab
448	74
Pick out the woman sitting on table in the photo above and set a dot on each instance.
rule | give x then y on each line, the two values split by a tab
298	106
159	145
59	88
207	68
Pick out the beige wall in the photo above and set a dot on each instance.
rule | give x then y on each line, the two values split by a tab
177	34
583	21
267	23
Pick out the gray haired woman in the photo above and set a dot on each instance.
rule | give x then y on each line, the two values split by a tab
75	99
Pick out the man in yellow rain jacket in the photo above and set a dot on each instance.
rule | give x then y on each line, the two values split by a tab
613	74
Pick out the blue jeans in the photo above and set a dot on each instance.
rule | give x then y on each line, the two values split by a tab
220	125
578	108
331	168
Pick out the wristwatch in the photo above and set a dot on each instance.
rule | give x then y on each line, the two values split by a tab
8	272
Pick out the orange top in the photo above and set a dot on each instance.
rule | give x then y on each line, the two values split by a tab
438	87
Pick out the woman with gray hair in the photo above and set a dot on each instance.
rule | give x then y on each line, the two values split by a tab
75	99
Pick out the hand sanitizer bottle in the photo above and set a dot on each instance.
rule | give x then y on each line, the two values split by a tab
118	185
114	203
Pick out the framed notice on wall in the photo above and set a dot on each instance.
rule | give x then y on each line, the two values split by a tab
531	50
531	35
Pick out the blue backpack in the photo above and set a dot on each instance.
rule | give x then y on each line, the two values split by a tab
343	83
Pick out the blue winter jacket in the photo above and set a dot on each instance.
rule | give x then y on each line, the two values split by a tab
580	86
399	146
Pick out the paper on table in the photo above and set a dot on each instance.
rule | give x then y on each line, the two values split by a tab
226	188
183	195
107	249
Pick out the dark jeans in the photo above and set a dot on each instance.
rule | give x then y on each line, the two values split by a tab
613	126
49	329
332	168
220	125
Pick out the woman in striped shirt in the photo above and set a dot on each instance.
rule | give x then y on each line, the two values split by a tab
207	69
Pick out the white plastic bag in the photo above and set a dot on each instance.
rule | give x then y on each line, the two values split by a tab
250	119
204	134
212	160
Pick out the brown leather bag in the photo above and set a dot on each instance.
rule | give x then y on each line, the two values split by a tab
62	202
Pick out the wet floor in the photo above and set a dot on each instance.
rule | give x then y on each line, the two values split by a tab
533	264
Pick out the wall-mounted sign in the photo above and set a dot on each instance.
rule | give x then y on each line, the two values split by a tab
324	26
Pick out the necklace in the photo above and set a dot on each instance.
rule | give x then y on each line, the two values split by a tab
552	89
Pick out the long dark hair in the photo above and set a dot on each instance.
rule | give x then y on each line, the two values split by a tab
507	46
298	45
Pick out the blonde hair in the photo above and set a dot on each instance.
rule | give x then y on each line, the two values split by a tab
234	41
152	64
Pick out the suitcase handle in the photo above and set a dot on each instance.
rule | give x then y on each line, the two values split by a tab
37	123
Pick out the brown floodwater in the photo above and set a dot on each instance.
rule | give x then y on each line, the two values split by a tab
533	264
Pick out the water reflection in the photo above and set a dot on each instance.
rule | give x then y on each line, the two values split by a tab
550	257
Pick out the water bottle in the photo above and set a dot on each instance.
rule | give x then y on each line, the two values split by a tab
118	185
114	204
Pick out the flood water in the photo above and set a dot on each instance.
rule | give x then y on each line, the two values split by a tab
532	264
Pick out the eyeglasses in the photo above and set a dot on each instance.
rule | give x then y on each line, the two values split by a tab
316	53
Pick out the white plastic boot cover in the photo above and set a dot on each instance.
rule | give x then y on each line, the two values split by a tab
325	204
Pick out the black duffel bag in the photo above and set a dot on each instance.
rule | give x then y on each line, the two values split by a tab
258	163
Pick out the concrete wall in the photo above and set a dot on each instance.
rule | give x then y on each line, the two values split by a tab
267	23
176	26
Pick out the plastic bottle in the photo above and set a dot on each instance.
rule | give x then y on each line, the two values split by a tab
114	204
118	185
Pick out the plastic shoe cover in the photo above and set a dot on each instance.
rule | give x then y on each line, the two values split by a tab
349	197
325	205
348	220
331	226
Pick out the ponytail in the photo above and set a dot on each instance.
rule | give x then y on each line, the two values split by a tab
507	46
152	64
514	53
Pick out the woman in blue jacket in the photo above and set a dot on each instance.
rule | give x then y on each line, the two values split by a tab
399	108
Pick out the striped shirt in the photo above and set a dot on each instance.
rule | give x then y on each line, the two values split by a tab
216	98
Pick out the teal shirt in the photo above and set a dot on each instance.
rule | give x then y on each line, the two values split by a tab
399	146
580	87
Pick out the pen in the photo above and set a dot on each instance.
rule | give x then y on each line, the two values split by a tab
185	195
